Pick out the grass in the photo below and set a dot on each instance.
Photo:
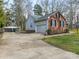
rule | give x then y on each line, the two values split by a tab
66	42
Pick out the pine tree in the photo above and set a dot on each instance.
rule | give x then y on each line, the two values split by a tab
37	10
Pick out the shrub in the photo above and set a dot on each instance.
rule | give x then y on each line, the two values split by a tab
1	25
66	31
48	31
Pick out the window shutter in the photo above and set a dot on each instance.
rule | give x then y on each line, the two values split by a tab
51	23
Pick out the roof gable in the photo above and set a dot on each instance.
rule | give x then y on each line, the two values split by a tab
44	18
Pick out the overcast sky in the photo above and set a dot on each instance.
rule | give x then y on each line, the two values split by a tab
33	2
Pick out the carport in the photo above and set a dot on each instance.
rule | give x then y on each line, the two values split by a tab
11	29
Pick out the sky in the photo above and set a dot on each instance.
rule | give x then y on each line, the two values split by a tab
33	2
11	1
8	2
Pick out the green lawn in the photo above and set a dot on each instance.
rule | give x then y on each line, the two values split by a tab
68	42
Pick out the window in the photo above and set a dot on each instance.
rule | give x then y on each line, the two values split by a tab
31	25
54	23
62	23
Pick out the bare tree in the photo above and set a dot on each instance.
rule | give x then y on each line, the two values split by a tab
73	4
23	9
19	15
45	6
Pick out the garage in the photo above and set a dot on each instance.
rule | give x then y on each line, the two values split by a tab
41	28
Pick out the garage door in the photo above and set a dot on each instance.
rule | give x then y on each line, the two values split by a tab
41	28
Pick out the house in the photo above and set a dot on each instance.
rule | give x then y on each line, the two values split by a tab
76	25
30	24
76	17
54	23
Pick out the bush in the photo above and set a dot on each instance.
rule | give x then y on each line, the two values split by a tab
48	32
1	25
66	31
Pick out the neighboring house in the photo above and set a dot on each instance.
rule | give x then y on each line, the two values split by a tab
76	25
55	22
76	17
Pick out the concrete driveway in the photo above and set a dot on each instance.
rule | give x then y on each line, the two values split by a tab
29	46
